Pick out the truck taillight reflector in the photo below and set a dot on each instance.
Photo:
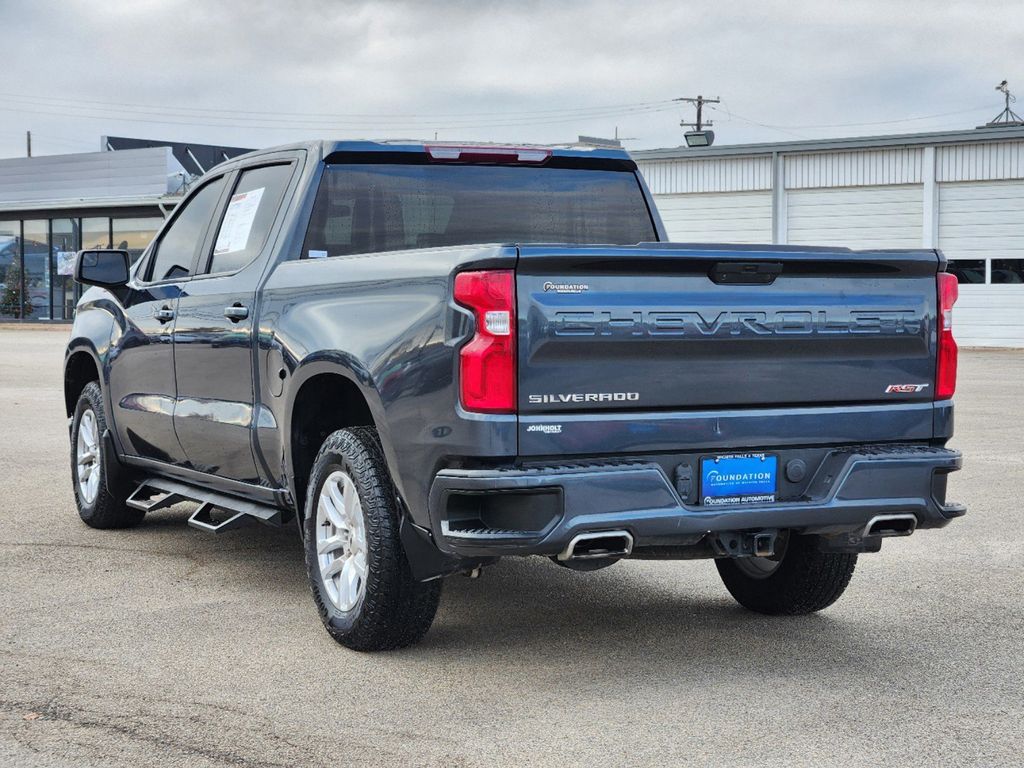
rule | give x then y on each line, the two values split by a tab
945	374
487	363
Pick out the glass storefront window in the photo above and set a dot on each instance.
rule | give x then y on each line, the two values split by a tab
967	270
36	272
10	269
37	259
96	232
64	233
133	235
1008	270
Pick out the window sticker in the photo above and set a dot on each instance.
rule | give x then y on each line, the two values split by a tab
234	232
66	263
313	254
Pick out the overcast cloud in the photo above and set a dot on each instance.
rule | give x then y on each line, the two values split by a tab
185	70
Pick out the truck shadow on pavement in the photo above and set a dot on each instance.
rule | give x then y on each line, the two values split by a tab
637	615
628	620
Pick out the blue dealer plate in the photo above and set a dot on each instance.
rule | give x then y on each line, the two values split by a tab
738	478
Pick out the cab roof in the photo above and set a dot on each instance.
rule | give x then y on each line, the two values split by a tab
326	148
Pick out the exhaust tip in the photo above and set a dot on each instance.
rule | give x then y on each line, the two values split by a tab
598	544
891	525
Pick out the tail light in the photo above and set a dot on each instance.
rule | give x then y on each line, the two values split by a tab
945	373
487	364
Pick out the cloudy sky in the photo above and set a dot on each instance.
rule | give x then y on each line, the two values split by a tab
261	72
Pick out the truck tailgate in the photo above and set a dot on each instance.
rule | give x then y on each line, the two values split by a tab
655	327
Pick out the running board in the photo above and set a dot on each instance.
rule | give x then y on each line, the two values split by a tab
158	493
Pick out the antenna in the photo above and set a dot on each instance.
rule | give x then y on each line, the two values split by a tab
623	138
1007	116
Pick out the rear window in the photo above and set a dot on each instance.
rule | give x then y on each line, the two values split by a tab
369	208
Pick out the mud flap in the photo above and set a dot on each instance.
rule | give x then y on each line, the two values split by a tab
426	561
115	475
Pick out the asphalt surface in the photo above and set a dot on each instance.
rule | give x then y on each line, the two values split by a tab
166	646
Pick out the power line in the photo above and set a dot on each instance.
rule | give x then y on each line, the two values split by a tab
733	116
853	125
49	138
315	117
362	127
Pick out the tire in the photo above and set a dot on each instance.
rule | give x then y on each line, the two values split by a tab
100	499
368	600
803	581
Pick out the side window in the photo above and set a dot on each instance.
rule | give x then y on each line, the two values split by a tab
177	248
330	226
249	216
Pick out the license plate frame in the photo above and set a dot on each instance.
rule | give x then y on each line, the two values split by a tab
739	478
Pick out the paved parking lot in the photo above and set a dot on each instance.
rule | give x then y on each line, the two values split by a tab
165	646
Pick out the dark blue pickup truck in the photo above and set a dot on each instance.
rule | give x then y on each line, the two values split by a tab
433	356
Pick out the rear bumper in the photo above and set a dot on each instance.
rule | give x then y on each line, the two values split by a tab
540	510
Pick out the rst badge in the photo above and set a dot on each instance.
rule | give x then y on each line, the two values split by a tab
904	389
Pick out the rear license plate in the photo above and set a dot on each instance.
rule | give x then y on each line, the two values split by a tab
738	478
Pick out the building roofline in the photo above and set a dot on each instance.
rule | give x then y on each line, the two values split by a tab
64	156
89	202
823	145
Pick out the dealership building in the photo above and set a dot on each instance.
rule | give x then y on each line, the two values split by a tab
54	205
961	191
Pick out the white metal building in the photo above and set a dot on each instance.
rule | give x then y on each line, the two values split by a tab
962	192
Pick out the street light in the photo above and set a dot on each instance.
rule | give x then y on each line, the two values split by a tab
699	138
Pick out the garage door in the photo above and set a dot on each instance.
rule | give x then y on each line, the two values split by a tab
856	217
721	217
983	222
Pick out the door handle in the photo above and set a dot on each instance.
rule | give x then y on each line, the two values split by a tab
164	314
236	312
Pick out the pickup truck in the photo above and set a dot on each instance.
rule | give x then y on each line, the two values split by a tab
434	356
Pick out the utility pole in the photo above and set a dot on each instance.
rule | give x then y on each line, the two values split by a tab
698	137
28	143
700	101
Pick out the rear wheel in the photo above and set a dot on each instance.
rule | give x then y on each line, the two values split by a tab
100	499
800	579
358	572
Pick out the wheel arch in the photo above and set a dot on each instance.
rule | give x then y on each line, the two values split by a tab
90	347
81	366
327	396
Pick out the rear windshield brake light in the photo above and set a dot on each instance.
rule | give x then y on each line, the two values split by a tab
485	154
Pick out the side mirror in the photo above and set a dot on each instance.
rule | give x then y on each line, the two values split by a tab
105	268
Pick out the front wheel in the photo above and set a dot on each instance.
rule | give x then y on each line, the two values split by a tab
358	572
100	499
799	580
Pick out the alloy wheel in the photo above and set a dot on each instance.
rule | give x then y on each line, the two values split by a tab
87	455
341	541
